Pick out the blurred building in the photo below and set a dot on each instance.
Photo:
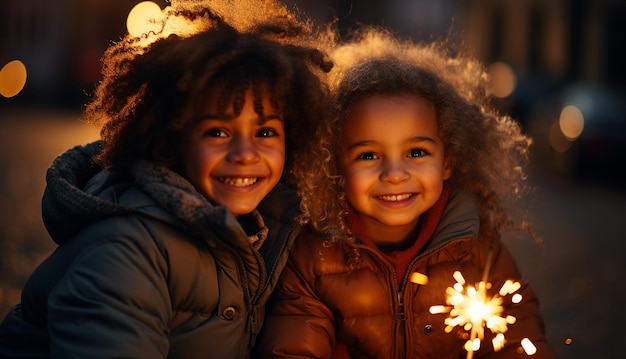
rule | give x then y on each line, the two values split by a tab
564	39
561	52
61	43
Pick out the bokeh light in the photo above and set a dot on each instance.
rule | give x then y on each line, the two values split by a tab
557	139
502	79
571	122
143	18
12	78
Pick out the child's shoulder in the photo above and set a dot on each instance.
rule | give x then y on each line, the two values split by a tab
311	241
310	238
314	253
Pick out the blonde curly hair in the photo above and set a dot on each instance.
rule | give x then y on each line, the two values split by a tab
488	151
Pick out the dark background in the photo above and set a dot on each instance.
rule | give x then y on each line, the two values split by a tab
563	52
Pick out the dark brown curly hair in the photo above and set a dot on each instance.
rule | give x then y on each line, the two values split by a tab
488	151
152	85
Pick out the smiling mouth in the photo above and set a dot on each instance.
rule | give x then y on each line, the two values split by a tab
238	181
396	198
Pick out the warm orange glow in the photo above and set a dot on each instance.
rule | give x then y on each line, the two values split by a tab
558	141
144	18
571	122
528	346
472	346
498	342
12	78
419	278
437	309
568	341
458	277
502	79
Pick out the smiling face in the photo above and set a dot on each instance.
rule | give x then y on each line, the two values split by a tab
235	160
394	165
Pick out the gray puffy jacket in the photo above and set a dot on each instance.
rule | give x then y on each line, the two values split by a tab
146	268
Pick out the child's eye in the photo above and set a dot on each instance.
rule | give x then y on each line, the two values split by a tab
367	156
214	132
266	132
416	152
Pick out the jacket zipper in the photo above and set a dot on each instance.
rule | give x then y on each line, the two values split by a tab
253	321
401	324
400	314
269	271
399	310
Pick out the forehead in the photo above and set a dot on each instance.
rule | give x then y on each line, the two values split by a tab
390	117
223	100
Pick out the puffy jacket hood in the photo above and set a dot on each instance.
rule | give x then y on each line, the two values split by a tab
79	192
66	207
459	220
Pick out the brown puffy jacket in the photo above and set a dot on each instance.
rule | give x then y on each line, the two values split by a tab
325	296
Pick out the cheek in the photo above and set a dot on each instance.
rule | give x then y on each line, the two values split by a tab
352	194
276	157
433	175
357	181
198	160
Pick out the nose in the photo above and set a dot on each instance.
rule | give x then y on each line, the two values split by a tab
243	151
393	172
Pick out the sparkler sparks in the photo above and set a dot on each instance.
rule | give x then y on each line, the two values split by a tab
471	308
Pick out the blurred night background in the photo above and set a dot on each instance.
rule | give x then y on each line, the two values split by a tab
558	67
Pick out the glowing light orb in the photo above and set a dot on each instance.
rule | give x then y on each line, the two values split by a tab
557	139
12	78
502	79
571	122
143	18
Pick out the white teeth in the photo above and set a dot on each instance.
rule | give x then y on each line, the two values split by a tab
238	181
396	198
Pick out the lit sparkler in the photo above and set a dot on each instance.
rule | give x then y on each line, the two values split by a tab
473	309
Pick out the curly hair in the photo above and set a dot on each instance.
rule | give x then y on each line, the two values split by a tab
153	84
488	151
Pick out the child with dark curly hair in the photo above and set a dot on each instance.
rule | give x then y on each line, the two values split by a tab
410	180
173	229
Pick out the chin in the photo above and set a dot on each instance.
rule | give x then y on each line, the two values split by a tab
395	222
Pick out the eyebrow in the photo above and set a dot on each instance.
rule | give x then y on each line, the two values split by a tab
414	139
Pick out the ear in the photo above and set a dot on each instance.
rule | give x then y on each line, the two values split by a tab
448	166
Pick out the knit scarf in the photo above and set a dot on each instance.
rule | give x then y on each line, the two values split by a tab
400	259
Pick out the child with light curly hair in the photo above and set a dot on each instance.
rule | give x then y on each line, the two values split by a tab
410	179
